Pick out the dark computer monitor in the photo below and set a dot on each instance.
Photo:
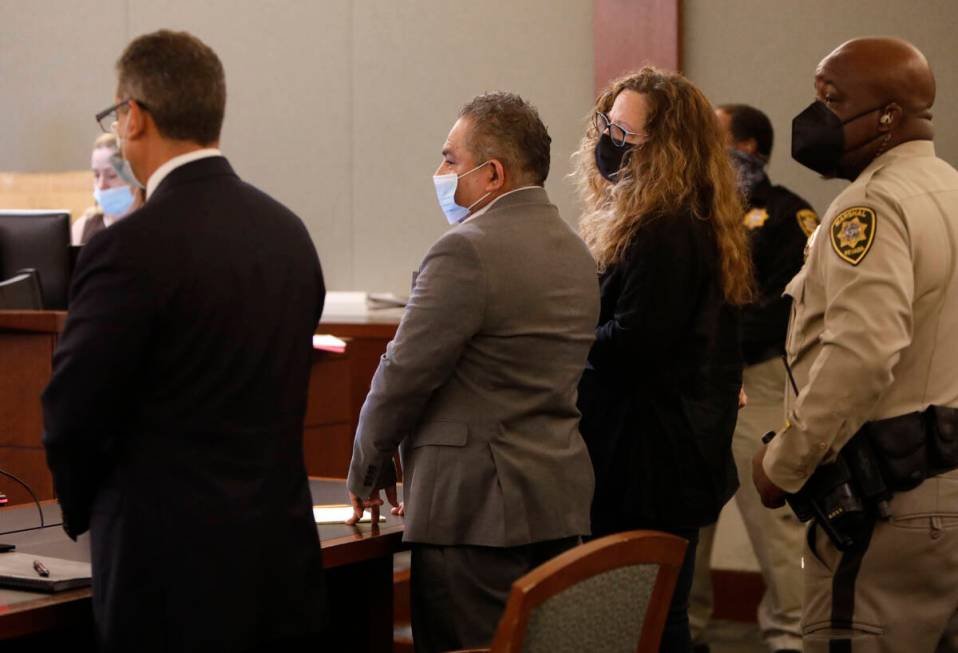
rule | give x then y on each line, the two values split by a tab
38	240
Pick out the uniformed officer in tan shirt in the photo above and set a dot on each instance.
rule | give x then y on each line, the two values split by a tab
874	335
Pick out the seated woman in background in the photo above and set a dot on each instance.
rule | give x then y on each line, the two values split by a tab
115	196
660	394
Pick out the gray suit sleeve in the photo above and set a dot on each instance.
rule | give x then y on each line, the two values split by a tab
445	310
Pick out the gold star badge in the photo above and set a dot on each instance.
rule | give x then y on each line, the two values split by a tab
853	233
755	218
807	221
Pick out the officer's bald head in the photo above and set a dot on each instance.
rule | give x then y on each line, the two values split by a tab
881	89
886	69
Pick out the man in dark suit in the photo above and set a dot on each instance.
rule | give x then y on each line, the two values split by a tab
478	389
174	416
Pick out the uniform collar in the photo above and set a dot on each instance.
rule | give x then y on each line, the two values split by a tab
758	197
908	149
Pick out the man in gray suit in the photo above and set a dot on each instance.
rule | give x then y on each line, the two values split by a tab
478	389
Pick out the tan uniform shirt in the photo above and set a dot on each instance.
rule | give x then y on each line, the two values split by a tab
874	324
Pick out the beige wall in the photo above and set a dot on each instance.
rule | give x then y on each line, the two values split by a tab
336	107
764	53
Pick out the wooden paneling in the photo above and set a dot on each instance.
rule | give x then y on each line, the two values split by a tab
328	401
328	449
27	340
47	190
338	387
736	595
367	344
25	364
30	465
629	34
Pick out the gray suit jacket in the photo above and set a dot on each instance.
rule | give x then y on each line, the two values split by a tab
478	389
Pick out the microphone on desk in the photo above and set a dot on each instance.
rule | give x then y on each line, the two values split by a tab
10	547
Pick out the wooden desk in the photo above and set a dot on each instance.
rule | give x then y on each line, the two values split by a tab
367	335
358	562
27	341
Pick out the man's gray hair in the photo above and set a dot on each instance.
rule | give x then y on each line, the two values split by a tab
507	128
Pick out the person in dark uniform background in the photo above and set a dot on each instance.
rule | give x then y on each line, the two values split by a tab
778	223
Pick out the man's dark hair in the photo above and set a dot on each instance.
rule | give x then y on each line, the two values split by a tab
179	80
507	128
748	122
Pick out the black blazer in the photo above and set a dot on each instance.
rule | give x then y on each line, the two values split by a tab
659	397
174	418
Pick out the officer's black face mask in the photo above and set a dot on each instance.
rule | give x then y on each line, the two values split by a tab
609	157
818	138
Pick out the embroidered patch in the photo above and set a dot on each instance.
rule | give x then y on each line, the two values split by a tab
853	233
807	220
755	218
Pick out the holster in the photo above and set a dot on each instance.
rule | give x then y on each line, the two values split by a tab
885	456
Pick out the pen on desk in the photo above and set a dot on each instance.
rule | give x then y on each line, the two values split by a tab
41	568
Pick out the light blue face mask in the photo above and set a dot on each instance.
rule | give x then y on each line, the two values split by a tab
446	193
122	167
114	201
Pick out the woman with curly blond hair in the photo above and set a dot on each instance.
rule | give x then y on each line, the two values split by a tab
660	393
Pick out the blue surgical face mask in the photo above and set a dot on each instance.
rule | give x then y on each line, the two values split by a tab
114	201
122	167
446	193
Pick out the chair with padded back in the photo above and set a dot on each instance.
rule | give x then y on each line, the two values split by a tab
21	292
611	595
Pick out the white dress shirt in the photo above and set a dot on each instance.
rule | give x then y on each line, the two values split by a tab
160	173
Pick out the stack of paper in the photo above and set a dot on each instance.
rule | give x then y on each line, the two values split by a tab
337	514
329	343
18	570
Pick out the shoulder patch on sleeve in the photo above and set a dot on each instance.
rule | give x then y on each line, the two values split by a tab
807	220
853	232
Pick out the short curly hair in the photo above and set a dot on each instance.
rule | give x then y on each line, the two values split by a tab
507	128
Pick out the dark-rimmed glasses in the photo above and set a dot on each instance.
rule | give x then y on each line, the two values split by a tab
617	133
108	117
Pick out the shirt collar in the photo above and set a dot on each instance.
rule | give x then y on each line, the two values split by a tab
906	149
161	173
492	203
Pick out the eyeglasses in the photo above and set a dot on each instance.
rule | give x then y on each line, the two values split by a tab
617	133
108	117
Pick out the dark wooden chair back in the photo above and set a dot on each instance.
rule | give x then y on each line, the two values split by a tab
605	594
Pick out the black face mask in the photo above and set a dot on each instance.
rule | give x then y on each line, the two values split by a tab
609	157
818	140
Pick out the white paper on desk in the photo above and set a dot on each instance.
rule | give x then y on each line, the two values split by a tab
329	343
337	514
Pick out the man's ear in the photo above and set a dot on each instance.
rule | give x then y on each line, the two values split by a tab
889	117
136	123
497	175
749	146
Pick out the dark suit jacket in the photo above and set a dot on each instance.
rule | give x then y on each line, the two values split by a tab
659	398
175	413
